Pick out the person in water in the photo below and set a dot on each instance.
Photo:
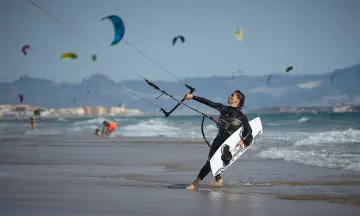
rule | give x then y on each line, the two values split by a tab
236	119
110	128
32	124
97	132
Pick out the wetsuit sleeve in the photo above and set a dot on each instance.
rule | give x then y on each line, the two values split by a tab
217	106
247	132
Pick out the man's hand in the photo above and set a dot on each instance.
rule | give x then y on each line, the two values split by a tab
240	144
188	96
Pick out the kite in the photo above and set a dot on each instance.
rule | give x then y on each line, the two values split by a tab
94	57
21	98
239	34
289	69
24	48
119	28
176	38
67	56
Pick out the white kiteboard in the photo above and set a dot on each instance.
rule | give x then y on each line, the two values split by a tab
217	165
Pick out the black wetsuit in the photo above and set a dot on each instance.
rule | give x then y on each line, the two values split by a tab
229	114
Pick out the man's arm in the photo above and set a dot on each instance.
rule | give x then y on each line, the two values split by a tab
247	132
217	106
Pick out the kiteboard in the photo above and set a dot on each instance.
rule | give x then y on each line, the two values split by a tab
217	164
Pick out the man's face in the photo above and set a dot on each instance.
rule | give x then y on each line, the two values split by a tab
233	100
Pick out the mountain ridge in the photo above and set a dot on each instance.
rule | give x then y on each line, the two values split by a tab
336	87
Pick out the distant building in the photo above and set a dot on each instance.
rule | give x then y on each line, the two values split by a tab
87	110
78	111
97	111
22	108
116	110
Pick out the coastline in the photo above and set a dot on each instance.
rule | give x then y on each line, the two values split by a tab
19	115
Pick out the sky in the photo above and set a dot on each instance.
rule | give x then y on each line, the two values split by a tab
315	36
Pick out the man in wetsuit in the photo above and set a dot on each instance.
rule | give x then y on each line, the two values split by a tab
231	114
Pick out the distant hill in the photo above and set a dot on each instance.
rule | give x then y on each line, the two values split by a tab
283	90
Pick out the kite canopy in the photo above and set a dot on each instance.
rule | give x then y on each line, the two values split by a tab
21	98
182	38
25	48
289	69
119	28
239	34
67	56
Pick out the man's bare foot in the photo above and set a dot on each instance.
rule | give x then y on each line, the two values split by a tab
190	187
219	182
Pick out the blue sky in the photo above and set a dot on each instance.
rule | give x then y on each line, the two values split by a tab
315	36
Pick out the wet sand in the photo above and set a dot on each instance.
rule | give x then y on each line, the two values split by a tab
57	176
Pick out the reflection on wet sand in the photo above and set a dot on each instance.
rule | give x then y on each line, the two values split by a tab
352	200
169	166
229	194
308	183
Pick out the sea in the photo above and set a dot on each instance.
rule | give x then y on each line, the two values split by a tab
62	168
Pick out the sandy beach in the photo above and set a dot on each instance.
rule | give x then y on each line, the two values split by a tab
60	175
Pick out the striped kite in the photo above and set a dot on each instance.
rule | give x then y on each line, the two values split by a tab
67	56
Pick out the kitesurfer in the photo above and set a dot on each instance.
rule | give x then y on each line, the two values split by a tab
235	117
110	127
32	124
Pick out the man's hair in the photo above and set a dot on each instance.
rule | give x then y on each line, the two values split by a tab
104	122
241	97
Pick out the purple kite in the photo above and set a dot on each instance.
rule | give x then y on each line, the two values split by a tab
21	98
24	48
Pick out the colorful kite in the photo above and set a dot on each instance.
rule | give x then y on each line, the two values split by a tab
119	28
239	34
67	56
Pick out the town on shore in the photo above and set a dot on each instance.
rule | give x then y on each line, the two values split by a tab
8	112
25	111
345	108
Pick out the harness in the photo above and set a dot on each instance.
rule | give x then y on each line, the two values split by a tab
221	124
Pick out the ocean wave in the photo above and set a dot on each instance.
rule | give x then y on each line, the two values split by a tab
331	149
303	119
327	159
98	121
160	127
62	120
331	137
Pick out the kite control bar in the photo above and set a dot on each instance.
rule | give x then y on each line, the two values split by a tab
167	114
180	102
